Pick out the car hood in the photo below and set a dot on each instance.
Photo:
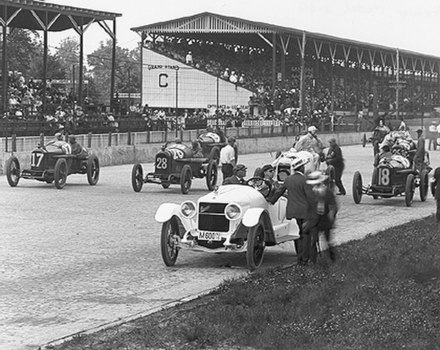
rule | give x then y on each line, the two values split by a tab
244	195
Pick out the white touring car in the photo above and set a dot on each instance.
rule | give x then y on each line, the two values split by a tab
232	218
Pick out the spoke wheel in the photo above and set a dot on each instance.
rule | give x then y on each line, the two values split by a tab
168	242
60	175
137	177
211	174
92	170
357	187
424	185
255	247
214	154
185	179
12	171
330	172
409	190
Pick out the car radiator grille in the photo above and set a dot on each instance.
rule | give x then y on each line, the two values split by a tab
212	217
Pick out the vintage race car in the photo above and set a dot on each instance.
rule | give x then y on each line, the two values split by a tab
397	176
285	161
50	164
232	218
175	164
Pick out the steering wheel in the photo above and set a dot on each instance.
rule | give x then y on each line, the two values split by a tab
263	186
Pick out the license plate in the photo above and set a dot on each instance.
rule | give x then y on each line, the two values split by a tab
209	236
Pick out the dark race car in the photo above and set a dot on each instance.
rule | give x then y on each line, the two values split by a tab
176	164
51	164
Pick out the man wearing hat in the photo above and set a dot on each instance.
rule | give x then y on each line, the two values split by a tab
432	134
228	158
301	207
310	141
334	158
237	178
419	156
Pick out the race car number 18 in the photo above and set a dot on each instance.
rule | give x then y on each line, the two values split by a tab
384	176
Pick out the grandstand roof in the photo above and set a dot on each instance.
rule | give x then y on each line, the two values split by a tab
207	26
27	14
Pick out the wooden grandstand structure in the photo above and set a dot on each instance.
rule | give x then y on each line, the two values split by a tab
314	48
48	17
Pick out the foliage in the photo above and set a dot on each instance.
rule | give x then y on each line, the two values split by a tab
23	48
127	70
382	293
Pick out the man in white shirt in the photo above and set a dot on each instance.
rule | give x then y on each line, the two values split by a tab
227	158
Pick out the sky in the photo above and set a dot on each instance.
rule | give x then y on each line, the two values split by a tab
405	24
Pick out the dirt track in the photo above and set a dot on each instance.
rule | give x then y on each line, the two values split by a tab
83	257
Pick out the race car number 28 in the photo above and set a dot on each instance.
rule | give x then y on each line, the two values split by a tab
161	163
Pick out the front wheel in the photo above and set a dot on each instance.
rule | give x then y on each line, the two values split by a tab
409	190
424	185
185	179
60	176
330	172
255	247
168	242
92	170
357	187
137	177
211	174
12	171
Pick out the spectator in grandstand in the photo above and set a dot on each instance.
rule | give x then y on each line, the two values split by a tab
189	58
402	125
432	134
334	157
225	74
233	78
241	79
228	158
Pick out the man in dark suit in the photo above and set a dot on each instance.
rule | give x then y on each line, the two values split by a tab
334	157
238	174
301	204
435	189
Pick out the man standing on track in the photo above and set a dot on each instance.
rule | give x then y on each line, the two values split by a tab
334	158
228	158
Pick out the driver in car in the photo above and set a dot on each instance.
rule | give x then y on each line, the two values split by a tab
238	174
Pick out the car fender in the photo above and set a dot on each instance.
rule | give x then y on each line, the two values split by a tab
166	211
252	216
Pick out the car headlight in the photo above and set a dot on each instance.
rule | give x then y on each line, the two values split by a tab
233	211
188	209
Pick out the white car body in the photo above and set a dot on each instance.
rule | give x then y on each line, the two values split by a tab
208	228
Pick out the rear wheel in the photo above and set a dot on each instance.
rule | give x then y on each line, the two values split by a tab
424	185
168	242
409	190
12	171
137	177
211	174
255	247
60	175
357	187
92	170
185	179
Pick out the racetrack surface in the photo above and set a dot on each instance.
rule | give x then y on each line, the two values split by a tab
85	257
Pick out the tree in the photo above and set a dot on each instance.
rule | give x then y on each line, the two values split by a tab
127	70
23	48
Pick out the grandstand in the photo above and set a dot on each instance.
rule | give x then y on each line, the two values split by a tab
285	71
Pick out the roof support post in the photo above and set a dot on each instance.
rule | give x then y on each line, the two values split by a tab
81	66
397	82
274	60
302	73
5	65
112	78
45	67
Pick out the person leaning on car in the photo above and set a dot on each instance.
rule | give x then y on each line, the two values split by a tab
228	158
239	172
301	204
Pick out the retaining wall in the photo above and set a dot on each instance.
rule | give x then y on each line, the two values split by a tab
143	153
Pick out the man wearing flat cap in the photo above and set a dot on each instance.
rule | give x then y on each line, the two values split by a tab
239	172
228	158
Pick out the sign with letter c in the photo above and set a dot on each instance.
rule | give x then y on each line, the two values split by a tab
162	80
